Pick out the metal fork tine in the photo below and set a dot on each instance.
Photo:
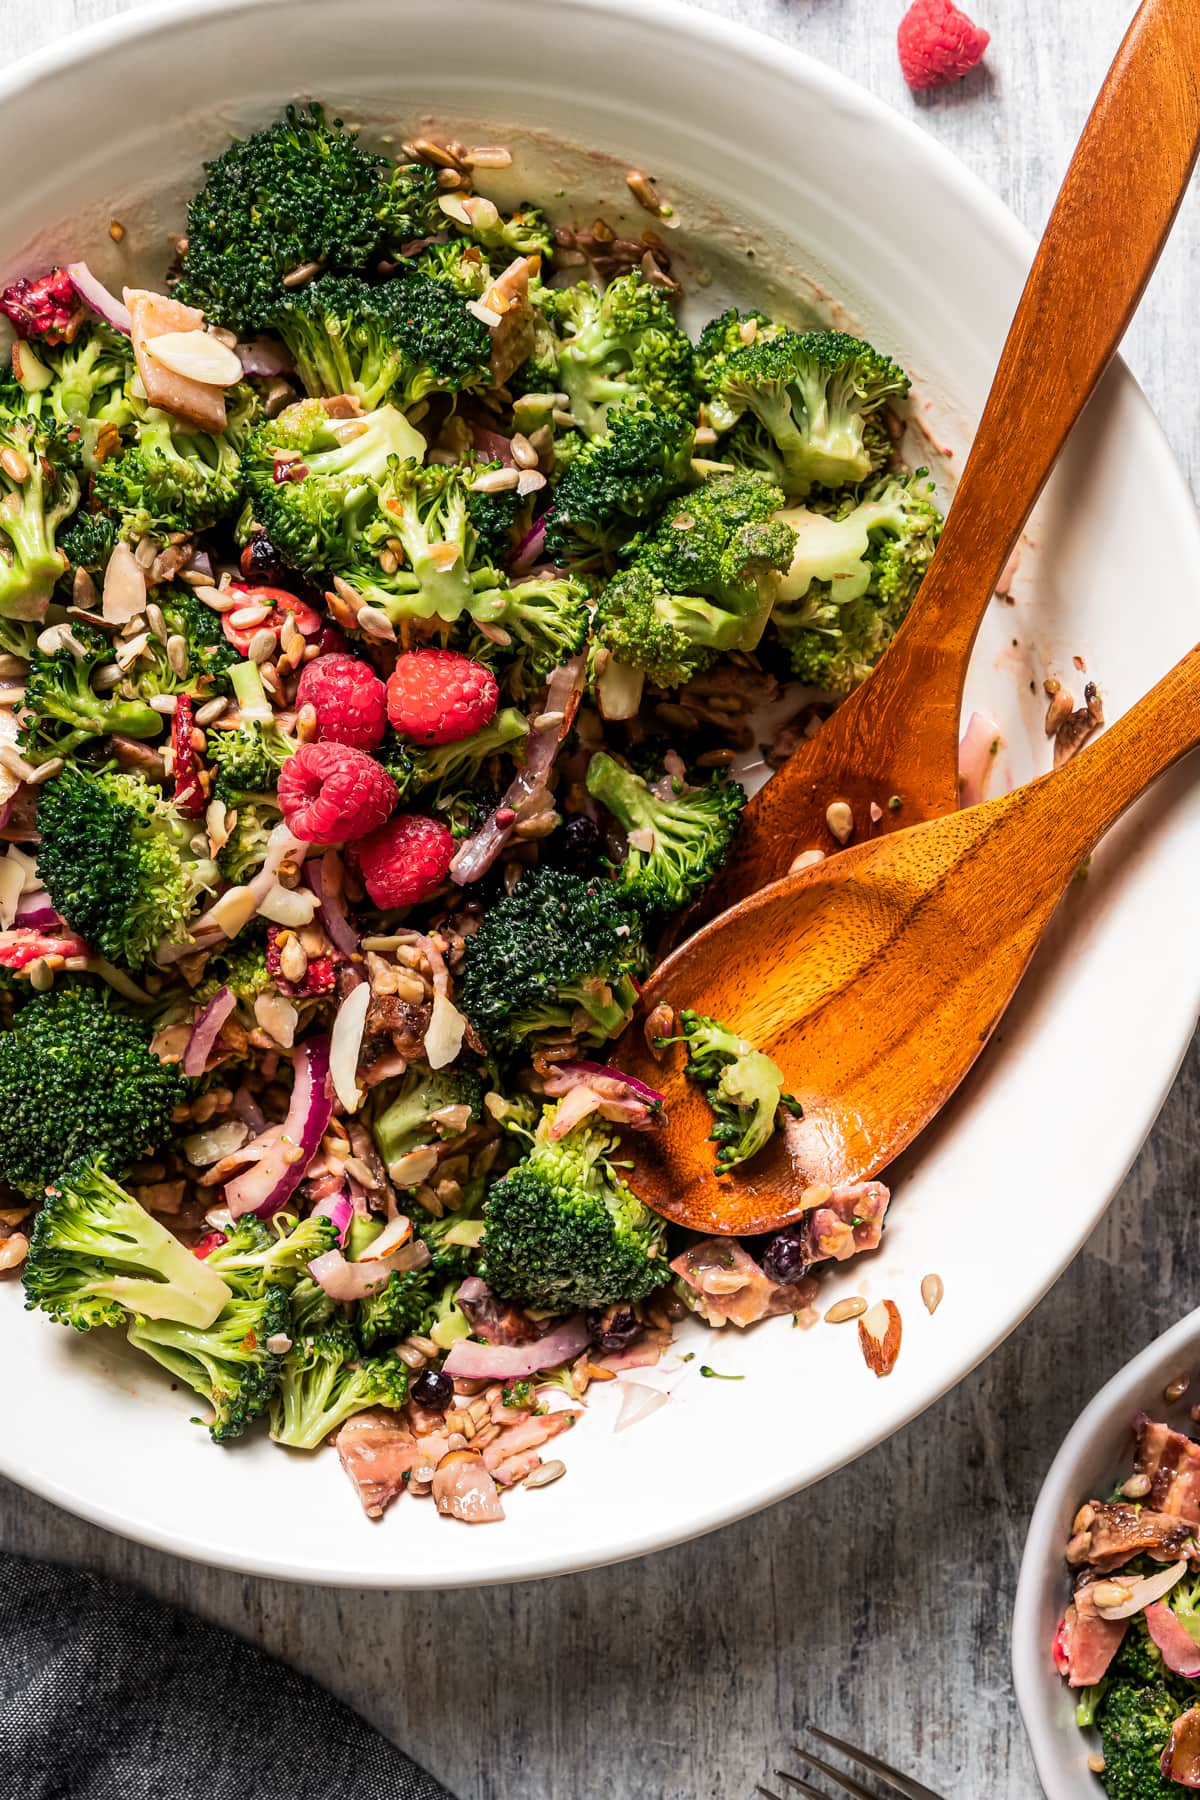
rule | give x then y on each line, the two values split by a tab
846	1782
802	1786
903	1784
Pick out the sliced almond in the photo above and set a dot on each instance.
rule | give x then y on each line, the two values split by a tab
197	355
124	587
879	1336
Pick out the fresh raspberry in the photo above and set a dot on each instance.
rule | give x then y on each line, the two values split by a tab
331	793
938	43
48	308
348	698
438	696
319	976
406	860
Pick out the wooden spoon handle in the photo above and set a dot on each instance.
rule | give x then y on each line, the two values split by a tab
1114	211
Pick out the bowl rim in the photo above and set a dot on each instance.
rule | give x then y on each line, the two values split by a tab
751	47
1033	1676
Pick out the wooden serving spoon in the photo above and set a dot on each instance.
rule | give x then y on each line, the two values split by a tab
897	735
875	980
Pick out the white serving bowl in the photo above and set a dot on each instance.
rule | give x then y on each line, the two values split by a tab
774	165
1096	1454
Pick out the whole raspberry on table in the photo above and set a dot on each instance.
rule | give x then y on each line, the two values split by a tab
330	793
938	43
348	698
406	860
438	696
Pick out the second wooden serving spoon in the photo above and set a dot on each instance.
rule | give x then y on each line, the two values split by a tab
875	980
897	735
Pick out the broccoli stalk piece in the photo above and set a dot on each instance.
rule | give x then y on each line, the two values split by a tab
174	479
426	1107
617	481
1135	1723
38	492
621	346
325	1381
703	582
813	396
853	578
560	953
311	479
96	1255
300	191
77	1075
229	1363
676	844
741	1084
427	511
117	862
564	1230
62	709
398	340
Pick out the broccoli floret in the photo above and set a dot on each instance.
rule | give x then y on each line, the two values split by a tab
812	394
741	1084
325	1380
301	191
257	1256
77	1075
619	480
397	341
87	390
405	1305
172	478
453	779
247	760
240	967
410	1117
116	860
311	1307
560	953
87	541
96	1255
457	264
721	338
547	621
62	709
853	578
1135	1723
690	833
229	1364
493	518
313	508
564	1230
38	492
703	582
620	346
210	655
426	511
524	233
248	845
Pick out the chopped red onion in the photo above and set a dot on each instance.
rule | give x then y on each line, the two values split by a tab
514	1362
93	293
206	1030
339	1208
334	917
201	563
270	1183
246	1108
594	1087
264	356
492	446
529	549
35	909
350	1281
564	691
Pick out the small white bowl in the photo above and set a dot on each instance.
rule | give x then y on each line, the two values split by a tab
1096	1454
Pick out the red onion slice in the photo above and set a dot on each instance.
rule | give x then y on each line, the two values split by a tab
36	909
246	1108
270	1183
492	446
513	1362
529	549
206	1030
93	293
350	1281
339	1208
563	693
1180	1651
319	876
264	356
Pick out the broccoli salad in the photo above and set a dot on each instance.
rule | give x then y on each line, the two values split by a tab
1129	1643
384	600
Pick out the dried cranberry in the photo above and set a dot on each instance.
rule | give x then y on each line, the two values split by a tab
260	559
787	1257
579	845
612	1328
433	1390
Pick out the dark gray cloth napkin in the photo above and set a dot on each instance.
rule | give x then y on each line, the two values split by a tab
106	1694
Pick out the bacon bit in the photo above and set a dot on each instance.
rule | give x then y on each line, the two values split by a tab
190	798
879	1336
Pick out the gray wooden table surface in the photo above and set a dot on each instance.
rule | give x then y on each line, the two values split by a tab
879	1603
